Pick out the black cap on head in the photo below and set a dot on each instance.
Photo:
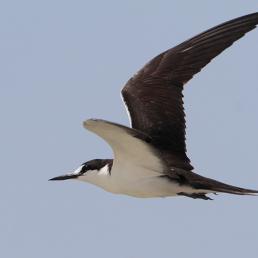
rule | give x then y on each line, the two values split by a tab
95	164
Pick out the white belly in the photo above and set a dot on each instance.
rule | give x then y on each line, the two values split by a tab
136	181
143	183
151	187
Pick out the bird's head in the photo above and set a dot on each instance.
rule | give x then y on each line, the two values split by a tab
87	170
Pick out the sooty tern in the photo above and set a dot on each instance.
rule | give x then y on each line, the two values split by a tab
150	158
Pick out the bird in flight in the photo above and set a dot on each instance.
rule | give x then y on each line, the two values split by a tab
150	158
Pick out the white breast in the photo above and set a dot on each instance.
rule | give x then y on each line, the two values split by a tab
149	184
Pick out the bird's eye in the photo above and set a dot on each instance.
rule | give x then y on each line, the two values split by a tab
84	169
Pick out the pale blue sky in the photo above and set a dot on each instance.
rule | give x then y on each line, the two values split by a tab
66	61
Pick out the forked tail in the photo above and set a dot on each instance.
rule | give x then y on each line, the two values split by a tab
219	187
225	188
210	186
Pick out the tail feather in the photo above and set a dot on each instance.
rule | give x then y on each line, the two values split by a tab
225	188
210	185
219	187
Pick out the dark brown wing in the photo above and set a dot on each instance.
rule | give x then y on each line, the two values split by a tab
154	95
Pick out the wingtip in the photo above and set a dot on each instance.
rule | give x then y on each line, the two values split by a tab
89	122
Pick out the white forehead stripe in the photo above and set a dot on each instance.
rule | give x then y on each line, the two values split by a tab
78	170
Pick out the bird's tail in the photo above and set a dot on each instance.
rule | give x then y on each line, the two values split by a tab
205	185
200	182
220	187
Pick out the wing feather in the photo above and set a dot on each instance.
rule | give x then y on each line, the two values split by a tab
154	96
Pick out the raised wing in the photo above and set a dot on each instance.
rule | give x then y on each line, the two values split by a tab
154	95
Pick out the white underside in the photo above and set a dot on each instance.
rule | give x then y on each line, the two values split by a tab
136	170
144	187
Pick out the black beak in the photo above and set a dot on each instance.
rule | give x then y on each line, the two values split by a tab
64	177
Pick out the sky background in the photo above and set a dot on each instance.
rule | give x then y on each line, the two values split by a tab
62	62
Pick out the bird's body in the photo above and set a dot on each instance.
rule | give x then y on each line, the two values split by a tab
150	158
145	187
